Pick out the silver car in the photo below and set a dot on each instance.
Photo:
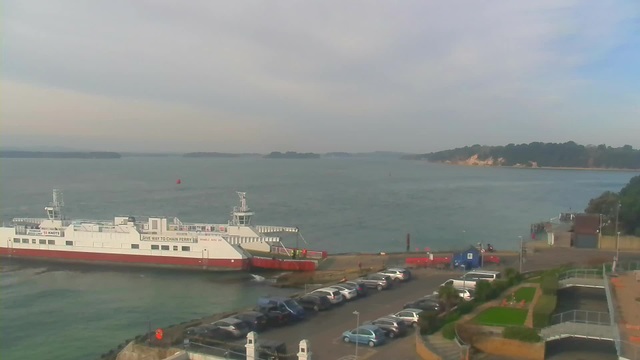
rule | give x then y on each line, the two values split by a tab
234	327
334	295
395	274
347	293
409	316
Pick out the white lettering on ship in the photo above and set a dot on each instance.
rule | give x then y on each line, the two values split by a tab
167	238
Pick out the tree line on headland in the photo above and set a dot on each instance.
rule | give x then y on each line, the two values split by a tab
538	154
628	200
59	155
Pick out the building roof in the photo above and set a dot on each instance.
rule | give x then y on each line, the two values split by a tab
586	224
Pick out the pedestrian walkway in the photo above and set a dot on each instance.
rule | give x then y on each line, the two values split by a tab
446	349
573	329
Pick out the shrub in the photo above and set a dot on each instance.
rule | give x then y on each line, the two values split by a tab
483	290
549	284
519	333
543	310
466	307
429	322
454	316
497	287
449	331
512	276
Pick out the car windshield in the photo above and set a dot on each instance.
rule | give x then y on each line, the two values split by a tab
335	293
240	325
291	304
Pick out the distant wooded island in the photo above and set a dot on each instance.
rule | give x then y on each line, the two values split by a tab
59	155
217	155
539	155
291	155
628	201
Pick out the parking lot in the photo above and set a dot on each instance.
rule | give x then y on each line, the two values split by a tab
324	329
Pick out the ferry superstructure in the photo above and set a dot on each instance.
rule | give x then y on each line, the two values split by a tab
151	241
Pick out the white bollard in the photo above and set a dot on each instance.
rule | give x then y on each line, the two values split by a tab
252	339
304	353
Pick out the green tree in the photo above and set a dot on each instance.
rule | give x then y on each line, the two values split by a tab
483	290
449	296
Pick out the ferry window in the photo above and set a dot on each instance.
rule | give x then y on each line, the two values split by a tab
175	248
69	243
165	247
135	246
33	241
186	248
155	247
25	241
51	242
43	242
16	240
154	225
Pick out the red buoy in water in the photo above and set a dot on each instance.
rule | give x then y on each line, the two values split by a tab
178	182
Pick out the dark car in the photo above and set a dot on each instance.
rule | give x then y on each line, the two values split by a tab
359	286
272	350
314	302
255	321
205	334
392	327
376	281
274	316
425	304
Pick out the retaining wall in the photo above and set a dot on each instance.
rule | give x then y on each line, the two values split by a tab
510	348
423	350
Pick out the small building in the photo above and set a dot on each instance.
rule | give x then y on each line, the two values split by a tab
470	259
586	231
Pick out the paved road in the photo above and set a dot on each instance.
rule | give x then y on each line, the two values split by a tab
324	330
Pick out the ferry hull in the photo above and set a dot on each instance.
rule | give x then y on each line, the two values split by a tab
128	260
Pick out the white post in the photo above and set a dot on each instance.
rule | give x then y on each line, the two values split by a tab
357	314
252	338
303	350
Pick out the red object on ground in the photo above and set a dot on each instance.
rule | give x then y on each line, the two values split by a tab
159	334
178	182
492	259
427	261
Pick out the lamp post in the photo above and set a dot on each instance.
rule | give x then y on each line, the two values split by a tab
357	314
520	254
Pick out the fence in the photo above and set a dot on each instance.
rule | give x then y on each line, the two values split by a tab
581	274
582	316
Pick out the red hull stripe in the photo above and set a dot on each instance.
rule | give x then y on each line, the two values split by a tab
238	264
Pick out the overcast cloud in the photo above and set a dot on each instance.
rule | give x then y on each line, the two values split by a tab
241	76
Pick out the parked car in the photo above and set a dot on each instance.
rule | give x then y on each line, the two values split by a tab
409	316
395	274
271	350
476	275
274	316
315	302
466	295
359	286
256	321
333	295
407	273
458	284
284	304
424	304
393	327
365	334
205	333
234	327
377	281
346	292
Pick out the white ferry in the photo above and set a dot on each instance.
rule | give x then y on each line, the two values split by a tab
152	241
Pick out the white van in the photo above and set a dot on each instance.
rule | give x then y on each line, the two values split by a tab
458	284
476	275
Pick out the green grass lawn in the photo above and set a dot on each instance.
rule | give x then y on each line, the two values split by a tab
499	316
525	293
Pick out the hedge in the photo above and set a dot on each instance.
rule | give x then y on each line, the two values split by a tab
549	284
542	311
449	331
520	333
466	307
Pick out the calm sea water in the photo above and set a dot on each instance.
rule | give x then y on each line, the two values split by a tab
340	205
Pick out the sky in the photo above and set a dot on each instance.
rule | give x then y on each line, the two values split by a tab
261	76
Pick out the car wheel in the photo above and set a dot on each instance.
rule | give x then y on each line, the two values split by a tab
392	334
346	339
371	343
396	280
415	324
316	308
379	287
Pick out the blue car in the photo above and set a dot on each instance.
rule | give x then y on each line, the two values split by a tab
365	334
287	305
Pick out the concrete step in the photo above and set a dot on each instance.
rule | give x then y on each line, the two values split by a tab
446	349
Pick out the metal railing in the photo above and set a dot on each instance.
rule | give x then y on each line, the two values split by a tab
614	316
583	317
581	274
577	329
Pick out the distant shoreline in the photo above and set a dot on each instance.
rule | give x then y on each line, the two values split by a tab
535	168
